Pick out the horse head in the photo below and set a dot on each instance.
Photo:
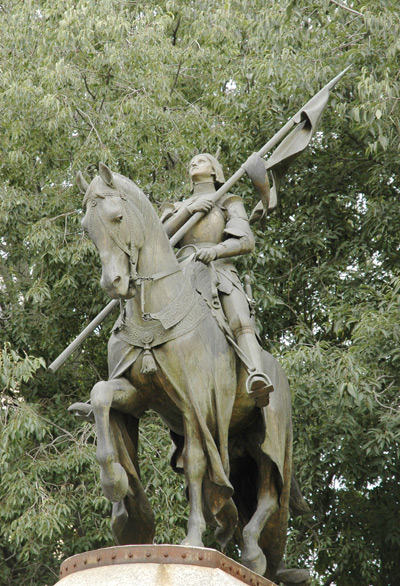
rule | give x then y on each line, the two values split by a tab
116	226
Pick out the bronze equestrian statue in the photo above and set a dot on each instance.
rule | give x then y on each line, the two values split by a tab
185	346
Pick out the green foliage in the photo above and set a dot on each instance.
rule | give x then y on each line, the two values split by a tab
139	85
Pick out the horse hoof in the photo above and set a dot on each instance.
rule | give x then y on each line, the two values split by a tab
191	541
294	577
257	564
115	486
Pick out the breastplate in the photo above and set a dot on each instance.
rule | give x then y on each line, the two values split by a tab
208	229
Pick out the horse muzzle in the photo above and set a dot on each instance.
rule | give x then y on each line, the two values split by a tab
118	287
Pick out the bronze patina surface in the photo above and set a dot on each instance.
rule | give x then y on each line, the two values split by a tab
185	345
197	363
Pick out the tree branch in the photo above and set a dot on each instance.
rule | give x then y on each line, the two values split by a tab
332	577
87	87
61	216
176	78
83	115
347	8
174	34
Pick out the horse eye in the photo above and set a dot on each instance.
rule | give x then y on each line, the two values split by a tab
119	218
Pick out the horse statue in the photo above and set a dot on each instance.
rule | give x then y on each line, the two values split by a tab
167	352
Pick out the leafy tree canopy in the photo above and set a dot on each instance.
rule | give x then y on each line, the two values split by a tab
140	85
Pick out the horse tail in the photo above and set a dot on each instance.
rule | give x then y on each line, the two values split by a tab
297	504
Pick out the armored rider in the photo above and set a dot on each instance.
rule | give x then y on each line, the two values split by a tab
222	233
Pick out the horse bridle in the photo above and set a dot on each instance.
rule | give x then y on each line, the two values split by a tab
132	252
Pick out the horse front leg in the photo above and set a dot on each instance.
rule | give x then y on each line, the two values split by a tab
106	394
267	503
195	466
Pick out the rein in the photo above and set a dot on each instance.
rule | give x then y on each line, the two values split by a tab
140	280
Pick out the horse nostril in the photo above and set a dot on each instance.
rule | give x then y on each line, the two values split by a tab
116	281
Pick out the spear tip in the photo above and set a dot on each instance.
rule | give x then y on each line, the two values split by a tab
334	81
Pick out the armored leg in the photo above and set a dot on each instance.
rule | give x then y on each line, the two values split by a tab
236	310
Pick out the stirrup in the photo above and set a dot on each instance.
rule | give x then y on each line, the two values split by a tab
259	386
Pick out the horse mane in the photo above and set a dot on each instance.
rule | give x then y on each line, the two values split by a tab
136	197
142	213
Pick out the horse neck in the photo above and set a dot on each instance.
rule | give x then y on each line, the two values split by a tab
157	256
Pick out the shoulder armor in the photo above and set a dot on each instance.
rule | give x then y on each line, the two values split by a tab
237	224
229	199
238	227
167	210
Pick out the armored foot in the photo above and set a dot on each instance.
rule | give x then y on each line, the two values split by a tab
192	541
194	537
259	387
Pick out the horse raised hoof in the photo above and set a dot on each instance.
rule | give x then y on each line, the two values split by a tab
254	560
83	411
259	386
115	486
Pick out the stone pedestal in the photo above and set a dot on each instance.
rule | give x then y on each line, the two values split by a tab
156	565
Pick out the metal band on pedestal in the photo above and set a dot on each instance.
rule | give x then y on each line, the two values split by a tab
174	555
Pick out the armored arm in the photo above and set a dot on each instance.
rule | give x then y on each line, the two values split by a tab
239	238
174	216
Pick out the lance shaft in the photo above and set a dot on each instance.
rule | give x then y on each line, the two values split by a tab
82	336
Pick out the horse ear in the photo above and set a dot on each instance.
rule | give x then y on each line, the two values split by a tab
217	154
81	182
106	174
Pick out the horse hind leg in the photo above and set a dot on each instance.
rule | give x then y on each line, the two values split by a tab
113	477
267	503
195	466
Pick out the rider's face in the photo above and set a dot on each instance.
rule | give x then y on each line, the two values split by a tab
201	169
